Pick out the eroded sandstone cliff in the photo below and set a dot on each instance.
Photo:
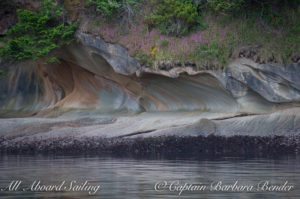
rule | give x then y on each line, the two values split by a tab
93	74
98	90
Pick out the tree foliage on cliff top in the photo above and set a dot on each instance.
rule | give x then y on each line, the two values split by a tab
37	34
231	6
110	8
175	17
179	17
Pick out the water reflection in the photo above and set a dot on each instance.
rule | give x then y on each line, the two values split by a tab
135	178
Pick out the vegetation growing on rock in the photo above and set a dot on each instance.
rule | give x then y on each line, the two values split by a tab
202	33
216	32
175	17
105	7
124	9
225	6
37	34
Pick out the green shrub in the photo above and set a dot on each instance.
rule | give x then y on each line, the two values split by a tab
214	54
37	34
144	59
264	8
164	44
53	60
175	17
110	8
105	7
225	6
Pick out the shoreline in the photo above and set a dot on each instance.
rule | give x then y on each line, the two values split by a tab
192	146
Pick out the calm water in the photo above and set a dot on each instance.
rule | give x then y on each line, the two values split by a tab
127	178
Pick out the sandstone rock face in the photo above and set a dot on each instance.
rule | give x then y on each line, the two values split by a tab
274	83
98	75
98	80
22	89
114	54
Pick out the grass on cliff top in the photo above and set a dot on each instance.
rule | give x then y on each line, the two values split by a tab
206	34
268	37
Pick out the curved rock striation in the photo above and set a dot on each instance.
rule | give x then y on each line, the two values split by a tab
93	74
277	84
115	55
98	90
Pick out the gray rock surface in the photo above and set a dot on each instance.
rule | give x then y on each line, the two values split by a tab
95	77
274	83
116	55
